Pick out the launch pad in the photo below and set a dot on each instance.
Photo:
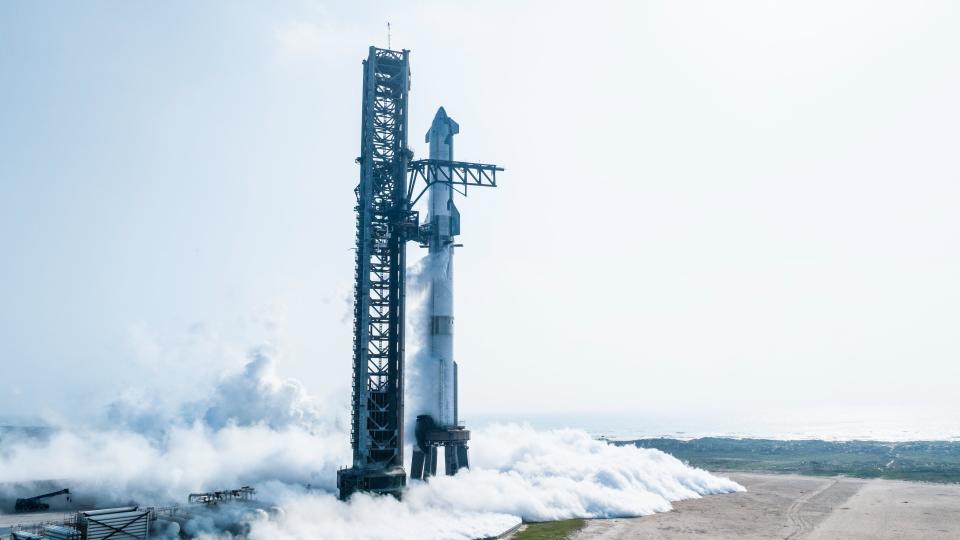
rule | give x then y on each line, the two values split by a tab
387	481
386	221
430	437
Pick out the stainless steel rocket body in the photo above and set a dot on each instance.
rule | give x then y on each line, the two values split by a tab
444	220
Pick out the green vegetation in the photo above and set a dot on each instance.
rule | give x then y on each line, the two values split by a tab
551	530
937	461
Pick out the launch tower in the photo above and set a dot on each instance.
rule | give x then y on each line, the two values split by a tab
386	195
376	433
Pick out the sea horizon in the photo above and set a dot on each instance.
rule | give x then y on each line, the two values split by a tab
842	427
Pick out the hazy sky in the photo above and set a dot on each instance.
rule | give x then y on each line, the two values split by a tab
709	208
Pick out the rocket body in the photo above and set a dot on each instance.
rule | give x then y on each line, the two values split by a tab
444	220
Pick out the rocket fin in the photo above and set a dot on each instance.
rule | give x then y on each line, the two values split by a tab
454	219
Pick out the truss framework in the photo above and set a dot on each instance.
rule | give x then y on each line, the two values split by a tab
456	173
377	420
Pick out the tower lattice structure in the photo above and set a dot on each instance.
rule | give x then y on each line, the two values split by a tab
378	345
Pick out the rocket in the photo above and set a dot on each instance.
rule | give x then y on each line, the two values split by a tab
437	422
444	221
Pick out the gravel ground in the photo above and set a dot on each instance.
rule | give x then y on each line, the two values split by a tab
790	506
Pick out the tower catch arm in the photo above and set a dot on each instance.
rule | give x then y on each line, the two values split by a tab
455	173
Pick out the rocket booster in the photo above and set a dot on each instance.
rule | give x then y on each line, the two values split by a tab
437	418
444	221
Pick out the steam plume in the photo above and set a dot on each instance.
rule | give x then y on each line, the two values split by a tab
257	428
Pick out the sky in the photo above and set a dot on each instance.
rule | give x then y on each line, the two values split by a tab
710	210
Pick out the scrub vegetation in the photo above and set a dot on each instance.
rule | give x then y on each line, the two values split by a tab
551	530
930	461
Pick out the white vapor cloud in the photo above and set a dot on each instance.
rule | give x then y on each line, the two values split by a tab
258	428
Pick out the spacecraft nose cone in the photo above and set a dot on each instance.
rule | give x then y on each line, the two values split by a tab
443	125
